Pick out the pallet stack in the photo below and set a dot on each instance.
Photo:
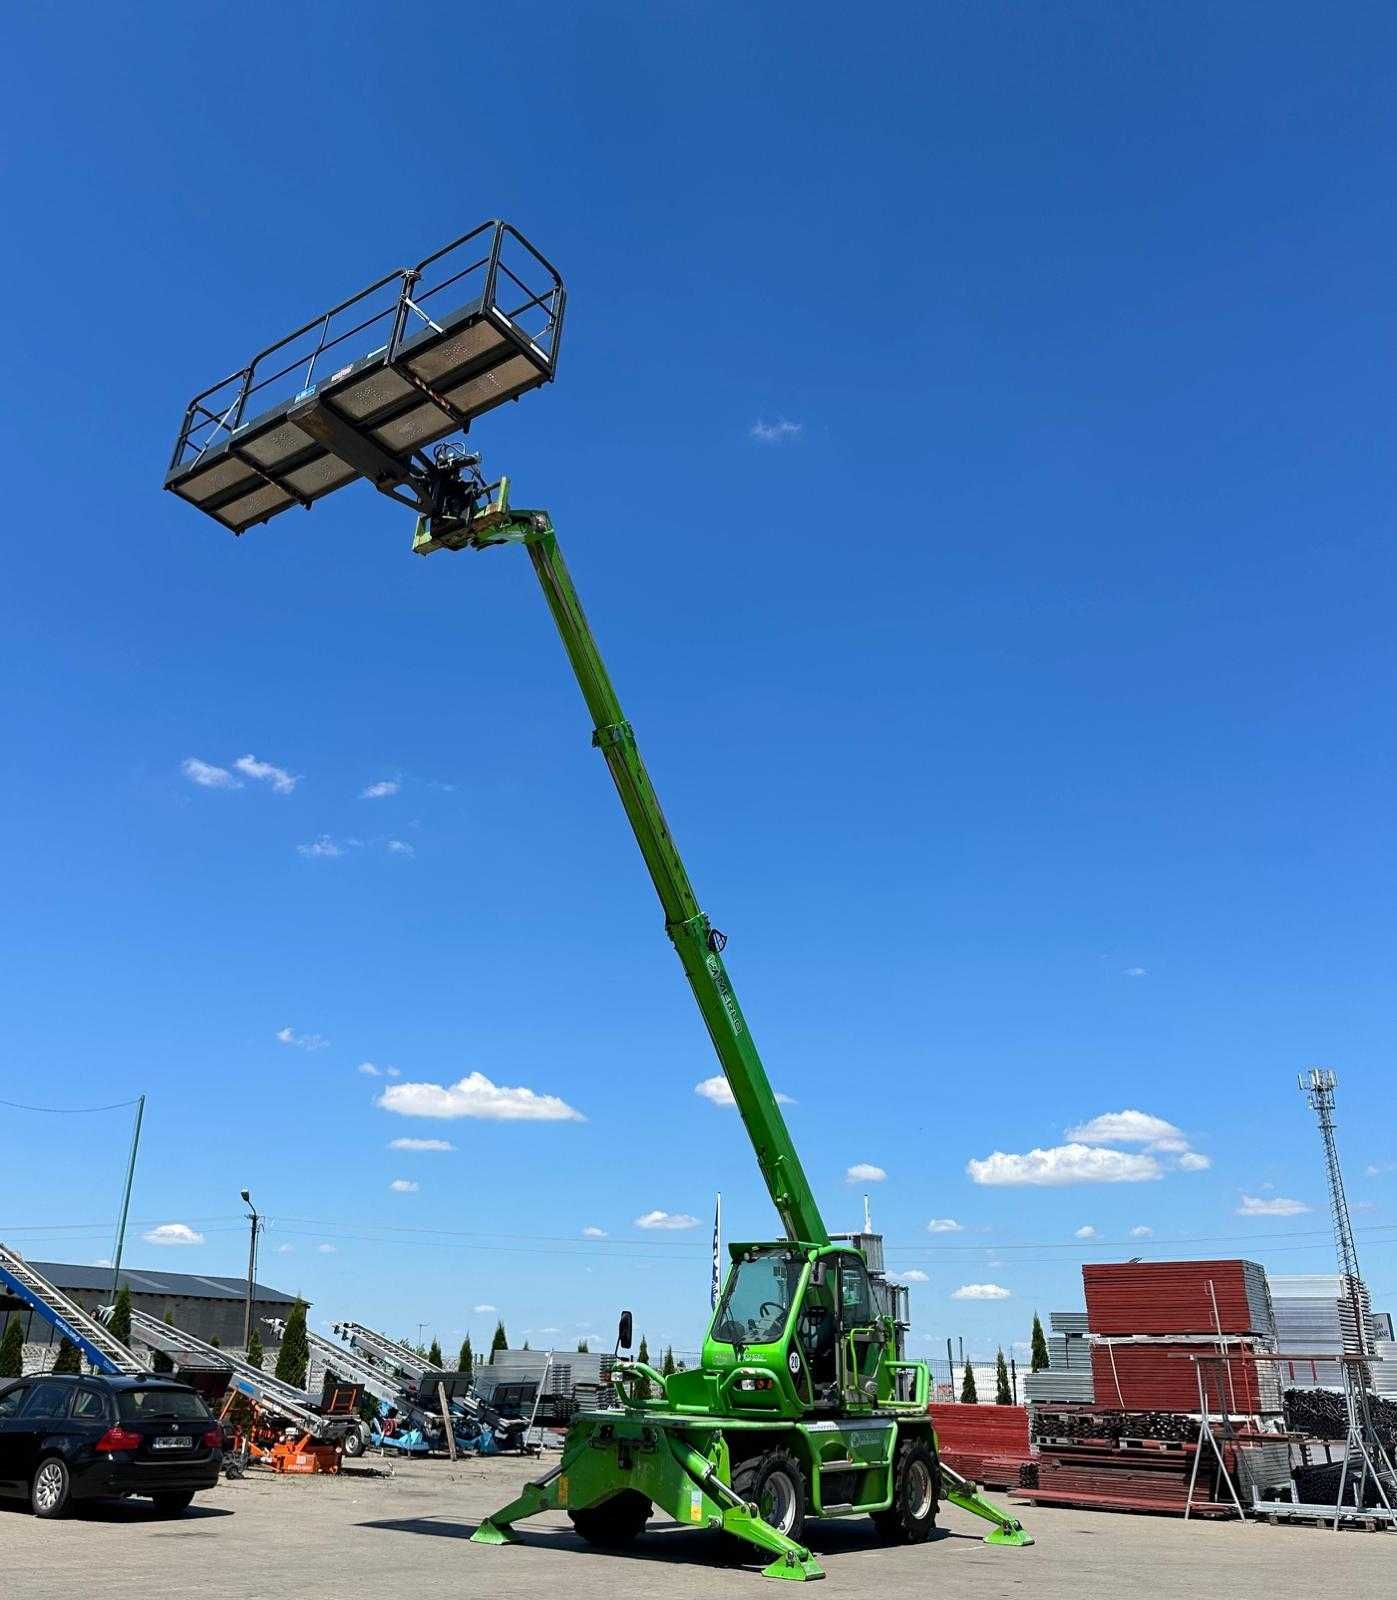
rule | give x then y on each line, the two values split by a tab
1149	1322
987	1443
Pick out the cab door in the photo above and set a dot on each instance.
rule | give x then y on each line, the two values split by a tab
860	1335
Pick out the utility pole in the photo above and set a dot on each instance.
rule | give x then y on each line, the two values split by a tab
1317	1085
126	1197
256	1221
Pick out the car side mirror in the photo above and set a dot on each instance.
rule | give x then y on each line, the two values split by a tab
625	1331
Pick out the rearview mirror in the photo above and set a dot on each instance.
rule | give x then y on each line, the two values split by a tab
624	1331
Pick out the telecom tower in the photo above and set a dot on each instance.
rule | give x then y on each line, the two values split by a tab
1317	1085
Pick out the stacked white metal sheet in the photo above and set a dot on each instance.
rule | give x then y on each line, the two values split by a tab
1384	1369
1067	1379
1315	1317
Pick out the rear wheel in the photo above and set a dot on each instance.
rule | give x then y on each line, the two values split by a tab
775	1484
912	1515
51	1488
616	1521
173	1505
355	1441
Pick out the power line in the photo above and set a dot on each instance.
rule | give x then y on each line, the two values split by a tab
68	1111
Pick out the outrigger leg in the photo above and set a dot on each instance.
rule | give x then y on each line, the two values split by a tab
965	1494
654	1462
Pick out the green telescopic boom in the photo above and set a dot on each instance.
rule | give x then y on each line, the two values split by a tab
698	943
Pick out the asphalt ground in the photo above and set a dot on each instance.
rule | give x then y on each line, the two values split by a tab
405	1535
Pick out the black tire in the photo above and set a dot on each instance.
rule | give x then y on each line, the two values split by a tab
50	1489
354	1443
615	1522
173	1505
916	1488
775	1483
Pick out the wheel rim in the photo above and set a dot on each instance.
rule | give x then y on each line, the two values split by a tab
48	1486
779	1501
917	1490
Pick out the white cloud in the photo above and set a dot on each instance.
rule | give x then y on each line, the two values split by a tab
864	1172
208	777
173	1233
1064	1164
369	1069
380	790
718	1091
1127	1127
302	1041
326	1249
400	847
323	848
1141	1232
483	1309
475	1096
778	432
420	1144
1376	1169
666	1219
594	1233
1193	1161
404	1186
281	782
1086	1231
912	1275
391	1072
286	1249
945	1225
1135	972
1278	1206
980	1291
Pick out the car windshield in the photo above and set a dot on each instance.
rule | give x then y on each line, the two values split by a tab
135	1405
759	1297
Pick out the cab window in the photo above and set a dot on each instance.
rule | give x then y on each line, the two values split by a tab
49	1400
12	1400
855	1295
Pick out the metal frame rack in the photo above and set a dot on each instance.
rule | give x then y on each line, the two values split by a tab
474	324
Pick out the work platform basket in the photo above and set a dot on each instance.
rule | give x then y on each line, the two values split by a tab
365	387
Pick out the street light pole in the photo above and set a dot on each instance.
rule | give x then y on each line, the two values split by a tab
254	1219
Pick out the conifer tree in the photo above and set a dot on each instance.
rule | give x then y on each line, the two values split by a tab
12	1350
501	1339
159	1361
255	1354
1003	1395
1038	1350
293	1359
434	1354
667	1366
68	1359
968	1397
582	1347
120	1323
465	1362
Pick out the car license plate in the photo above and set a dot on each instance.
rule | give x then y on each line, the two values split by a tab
173	1442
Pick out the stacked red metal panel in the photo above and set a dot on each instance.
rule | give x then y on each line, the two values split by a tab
1173	1297
986	1443
1141	1376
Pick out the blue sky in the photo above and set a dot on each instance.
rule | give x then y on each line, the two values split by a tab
973	441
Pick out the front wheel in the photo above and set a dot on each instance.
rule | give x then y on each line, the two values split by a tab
775	1484
173	1505
614	1522
51	1489
912	1515
354	1442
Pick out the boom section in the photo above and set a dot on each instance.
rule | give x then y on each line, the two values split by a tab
698	944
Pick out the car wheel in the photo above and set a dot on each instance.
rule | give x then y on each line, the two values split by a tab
51	1489
916	1483
354	1443
173	1505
